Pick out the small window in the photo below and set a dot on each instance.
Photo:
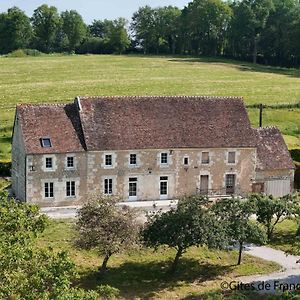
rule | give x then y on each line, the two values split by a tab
164	158
46	142
163	186
48	190
70	189
48	163
70	162
132	159
205	158
108	160
108	182
231	157
186	161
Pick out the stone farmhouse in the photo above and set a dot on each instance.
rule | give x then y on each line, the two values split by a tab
144	148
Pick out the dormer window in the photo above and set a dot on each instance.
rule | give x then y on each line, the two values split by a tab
46	142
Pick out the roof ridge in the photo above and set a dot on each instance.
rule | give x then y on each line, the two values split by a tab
41	104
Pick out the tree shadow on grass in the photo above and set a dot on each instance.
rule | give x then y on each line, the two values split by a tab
242	65
145	279
288	240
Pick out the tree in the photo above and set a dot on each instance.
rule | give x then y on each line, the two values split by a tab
74	28
28	272
144	27
236	213
118	37
207	22
15	30
190	224
270	211
106	227
46	23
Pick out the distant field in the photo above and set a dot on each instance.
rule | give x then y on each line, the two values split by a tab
61	78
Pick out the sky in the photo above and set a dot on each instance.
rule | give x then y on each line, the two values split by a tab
92	9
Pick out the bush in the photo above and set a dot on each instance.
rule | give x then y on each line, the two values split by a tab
295	153
108	291
17	53
5	169
32	52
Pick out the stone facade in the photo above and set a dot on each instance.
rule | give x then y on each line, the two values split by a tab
183	146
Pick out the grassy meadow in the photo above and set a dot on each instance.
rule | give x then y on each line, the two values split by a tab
58	79
143	273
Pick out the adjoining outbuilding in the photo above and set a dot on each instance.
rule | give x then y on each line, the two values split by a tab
144	148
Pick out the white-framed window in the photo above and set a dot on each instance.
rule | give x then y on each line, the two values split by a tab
231	159
70	163
164	158
205	158
49	190
49	163
132	159
70	189
163	187
108	186
132	188
230	182
108	160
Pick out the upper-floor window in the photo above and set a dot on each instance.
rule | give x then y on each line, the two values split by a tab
108	160
205	158
231	157
46	142
70	189
185	161
164	158
49	190
48	163
132	159
70	162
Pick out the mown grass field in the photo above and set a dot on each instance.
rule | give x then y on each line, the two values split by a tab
56	79
143	274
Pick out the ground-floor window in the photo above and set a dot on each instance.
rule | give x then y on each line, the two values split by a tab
204	181
163	188
132	188
70	189
230	184
108	184
48	190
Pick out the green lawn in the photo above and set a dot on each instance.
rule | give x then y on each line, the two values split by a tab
51	79
285	237
143	273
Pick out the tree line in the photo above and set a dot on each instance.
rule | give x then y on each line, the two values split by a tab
264	31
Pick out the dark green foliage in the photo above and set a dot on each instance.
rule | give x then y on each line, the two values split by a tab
295	153
15	30
28	272
5	168
190	224
235	213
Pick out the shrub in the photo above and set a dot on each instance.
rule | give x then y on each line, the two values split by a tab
5	168
17	53
108	291
295	153
32	52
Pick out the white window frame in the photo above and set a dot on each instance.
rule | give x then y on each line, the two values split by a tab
133	198
74	162
48	183
163	196
49	168
112	186
160	159
136	160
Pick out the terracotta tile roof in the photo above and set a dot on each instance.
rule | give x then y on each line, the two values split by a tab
272	151
116	123
59	122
